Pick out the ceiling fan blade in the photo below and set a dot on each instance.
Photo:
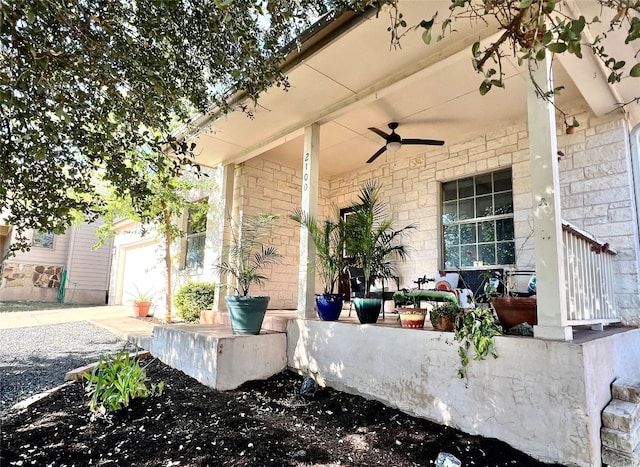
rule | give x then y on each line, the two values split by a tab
429	142
377	154
380	133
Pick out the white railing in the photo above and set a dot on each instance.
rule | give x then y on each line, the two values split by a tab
588	266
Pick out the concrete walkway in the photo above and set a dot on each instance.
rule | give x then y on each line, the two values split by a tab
116	319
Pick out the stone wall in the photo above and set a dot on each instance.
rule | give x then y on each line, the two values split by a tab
541	397
31	275
262	185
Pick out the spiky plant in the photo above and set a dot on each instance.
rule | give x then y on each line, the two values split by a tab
328	236
371	241
247	256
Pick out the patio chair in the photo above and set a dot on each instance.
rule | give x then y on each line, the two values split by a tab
356	284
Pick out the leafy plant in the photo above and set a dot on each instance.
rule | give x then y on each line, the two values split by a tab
115	381
329	238
248	255
476	327
371	241
192	298
442	310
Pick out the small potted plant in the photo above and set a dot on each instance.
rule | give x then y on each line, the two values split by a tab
512	307
246	259
443	316
141	302
329	238
373	245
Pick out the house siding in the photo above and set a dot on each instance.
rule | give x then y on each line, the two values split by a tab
88	270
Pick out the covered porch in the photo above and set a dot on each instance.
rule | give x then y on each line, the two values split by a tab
307	148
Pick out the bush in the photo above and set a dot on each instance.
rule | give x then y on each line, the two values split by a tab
115	381
192	298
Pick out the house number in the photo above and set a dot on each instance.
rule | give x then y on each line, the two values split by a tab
305	185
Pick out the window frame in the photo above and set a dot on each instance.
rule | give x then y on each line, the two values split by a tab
186	265
476	243
45	235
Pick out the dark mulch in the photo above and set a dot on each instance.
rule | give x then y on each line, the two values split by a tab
266	423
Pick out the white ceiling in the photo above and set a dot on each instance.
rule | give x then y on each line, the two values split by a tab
358	82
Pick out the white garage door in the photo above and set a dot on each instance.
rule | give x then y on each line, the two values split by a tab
143	272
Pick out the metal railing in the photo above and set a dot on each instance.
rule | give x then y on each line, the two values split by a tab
588	266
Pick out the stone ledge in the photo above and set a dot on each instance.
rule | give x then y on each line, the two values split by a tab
621	440
614	458
216	357
626	390
621	415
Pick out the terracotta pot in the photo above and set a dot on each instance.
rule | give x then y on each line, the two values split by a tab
141	309
412	317
512	311
443	323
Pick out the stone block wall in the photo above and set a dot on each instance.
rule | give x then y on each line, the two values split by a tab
262	185
31	275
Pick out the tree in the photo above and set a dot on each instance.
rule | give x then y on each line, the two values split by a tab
161	210
85	84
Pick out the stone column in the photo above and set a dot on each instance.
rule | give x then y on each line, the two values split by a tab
310	176
545	188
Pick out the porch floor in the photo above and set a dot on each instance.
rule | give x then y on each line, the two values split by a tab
581	334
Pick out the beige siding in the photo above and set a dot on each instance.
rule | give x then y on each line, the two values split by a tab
56	256
88	269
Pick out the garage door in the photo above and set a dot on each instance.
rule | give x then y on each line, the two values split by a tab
143	271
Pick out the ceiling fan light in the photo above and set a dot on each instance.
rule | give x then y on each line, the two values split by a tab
393	146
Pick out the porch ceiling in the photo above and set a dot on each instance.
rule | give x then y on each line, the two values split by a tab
357	82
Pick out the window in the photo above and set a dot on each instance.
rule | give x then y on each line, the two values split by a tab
477	221
196	230
42	239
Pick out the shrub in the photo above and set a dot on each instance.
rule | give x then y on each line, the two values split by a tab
115	381
192	298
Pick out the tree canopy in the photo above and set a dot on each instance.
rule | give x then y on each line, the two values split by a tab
85	84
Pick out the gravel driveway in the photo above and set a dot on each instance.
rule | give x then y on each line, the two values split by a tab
35	359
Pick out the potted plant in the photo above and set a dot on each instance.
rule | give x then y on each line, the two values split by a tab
511	307
373	245
443	316
141	303
247	257
329	240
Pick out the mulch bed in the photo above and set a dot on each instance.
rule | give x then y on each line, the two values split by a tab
264	423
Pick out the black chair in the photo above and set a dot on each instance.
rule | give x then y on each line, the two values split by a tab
356	284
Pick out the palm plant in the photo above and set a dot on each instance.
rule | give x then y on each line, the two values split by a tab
371	241
329	239
247	254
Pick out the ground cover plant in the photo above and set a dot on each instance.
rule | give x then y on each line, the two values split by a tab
264	423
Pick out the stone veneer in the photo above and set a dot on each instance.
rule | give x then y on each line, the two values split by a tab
31	275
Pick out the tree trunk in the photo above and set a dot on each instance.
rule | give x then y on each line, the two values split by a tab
167	258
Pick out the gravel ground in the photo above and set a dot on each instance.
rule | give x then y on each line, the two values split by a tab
36	358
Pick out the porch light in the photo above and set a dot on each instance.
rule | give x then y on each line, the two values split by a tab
393	146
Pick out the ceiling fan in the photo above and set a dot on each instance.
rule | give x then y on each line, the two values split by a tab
394	141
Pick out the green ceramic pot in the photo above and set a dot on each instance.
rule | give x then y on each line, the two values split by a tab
246	313
368	309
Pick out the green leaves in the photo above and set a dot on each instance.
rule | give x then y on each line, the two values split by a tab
476	328
115	381
635	71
